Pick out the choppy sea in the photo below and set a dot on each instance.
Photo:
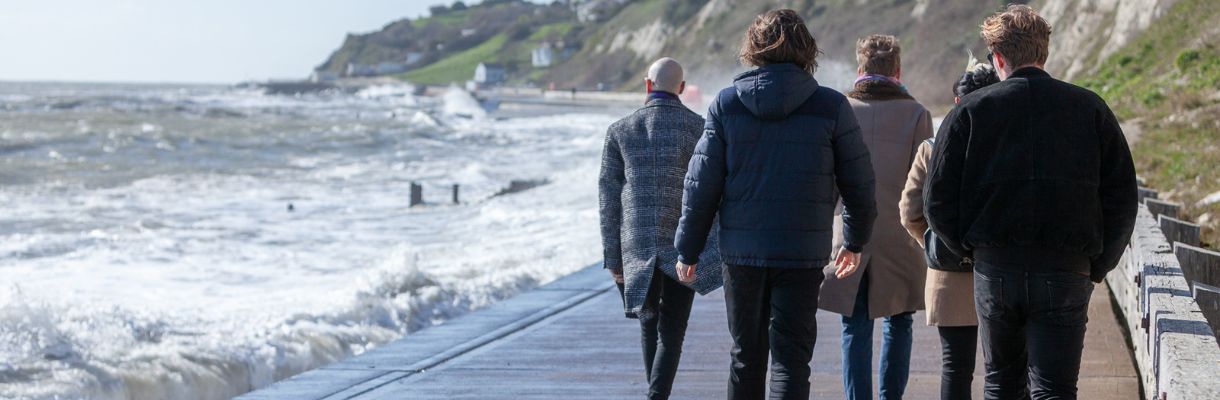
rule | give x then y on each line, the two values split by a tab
147	249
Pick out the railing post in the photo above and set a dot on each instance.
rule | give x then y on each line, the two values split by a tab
1160	207
1180	231
1145	193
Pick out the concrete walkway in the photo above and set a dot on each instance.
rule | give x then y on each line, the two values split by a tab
569	340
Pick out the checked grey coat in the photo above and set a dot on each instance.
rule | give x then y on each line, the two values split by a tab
640	191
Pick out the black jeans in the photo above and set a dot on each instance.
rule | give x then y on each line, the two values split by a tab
771	310
1039	313
957	348
663	331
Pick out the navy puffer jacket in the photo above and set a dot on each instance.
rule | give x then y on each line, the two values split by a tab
776	153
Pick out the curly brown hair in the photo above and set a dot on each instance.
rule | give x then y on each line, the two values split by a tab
1018	33
779	37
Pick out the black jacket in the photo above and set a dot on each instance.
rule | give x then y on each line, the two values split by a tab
774	148
1033	162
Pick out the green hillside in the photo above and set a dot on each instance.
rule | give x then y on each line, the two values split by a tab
460	66
1168	81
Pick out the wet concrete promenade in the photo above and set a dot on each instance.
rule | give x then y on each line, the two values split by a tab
568	340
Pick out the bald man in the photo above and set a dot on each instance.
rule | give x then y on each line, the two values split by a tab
640	188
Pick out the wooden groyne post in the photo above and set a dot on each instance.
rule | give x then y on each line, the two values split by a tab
417	195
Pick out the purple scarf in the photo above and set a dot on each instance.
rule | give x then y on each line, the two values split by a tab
657	94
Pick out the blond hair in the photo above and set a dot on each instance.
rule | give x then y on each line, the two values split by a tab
1018	33
879	55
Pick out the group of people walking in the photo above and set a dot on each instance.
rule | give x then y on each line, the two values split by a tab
794	197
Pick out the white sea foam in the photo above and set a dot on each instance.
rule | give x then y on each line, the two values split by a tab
184	275
459	103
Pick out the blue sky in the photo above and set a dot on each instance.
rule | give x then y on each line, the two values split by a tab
218	41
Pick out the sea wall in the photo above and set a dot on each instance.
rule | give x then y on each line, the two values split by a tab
1175	349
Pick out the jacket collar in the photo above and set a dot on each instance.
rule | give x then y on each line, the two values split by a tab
663	102
878	90
1030	72
660	94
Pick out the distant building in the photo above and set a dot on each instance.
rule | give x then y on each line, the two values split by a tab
387	68
489	74
322	76
354	70
543	56
382	68
413	57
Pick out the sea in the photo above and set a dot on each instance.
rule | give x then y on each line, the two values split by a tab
199	242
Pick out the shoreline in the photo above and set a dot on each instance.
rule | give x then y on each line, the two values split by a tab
427	348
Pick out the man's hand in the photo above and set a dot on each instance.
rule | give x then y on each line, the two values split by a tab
846	263
618	276
686	273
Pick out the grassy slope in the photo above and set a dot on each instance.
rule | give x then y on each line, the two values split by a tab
458	67
1168	78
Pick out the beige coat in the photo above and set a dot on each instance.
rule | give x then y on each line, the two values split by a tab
893	125
949	295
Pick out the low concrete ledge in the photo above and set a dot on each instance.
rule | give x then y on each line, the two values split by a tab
1175	349
432	346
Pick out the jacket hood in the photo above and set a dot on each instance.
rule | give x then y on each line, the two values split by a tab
774	91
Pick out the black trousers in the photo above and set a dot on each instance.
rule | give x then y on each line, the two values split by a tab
1037	313
957	348
663	331
771	311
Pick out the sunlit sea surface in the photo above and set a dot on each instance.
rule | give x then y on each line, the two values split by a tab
147	249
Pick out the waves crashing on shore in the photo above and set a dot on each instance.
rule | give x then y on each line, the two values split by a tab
146	249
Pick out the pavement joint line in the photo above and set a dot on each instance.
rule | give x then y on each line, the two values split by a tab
490	337
369	369
353	395
487	338
340	390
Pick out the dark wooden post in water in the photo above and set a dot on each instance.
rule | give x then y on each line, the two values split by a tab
1201	268
1161	207
1180	231
455	194
417	195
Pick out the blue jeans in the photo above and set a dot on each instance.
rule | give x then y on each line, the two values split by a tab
858	351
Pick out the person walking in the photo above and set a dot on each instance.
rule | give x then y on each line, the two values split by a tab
775	148
949	291
643	165
890	280
1032	178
